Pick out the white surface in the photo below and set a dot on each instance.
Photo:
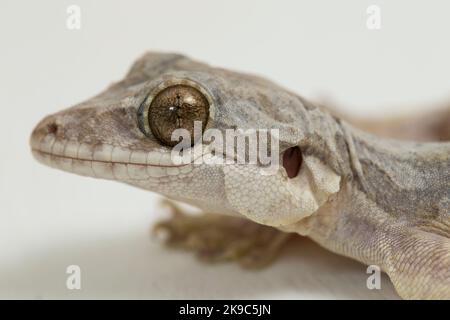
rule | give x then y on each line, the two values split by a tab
50	219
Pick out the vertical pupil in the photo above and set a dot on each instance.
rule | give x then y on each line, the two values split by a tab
173	112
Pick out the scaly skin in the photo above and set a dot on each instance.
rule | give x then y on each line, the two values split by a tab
375	200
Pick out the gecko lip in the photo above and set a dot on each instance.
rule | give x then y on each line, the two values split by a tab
103	160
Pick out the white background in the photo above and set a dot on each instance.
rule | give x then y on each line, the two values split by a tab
320	49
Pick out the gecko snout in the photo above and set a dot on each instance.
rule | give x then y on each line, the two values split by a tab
45	126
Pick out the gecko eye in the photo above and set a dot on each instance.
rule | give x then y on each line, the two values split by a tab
176	107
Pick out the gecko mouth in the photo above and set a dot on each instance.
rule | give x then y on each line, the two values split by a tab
104	160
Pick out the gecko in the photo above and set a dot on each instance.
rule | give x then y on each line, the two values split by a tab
370	197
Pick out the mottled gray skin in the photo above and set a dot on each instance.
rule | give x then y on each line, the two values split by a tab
378	201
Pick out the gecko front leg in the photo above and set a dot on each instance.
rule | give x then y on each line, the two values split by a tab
419	265
216	238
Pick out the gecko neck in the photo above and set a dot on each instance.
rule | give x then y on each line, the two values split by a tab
403	178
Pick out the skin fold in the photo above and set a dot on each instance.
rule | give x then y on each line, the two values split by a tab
374	199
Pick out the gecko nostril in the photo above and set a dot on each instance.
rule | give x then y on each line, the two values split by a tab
52	128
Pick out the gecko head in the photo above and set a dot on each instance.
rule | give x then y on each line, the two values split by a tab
224	141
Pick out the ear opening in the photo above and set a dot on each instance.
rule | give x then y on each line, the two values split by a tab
292	161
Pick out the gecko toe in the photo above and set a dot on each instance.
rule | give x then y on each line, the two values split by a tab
216	238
